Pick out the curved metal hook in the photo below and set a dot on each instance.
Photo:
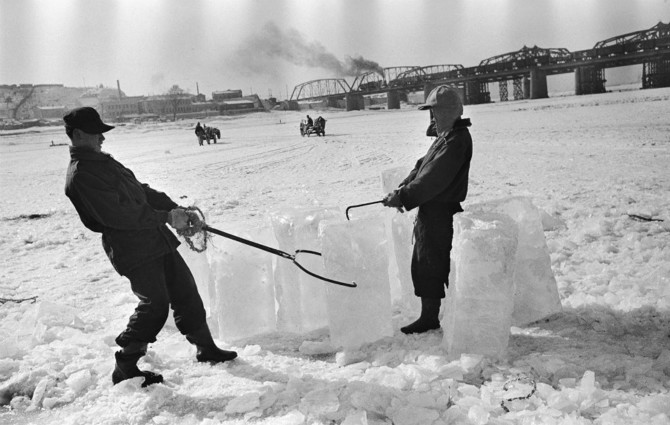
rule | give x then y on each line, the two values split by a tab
346	212
279	253
301	267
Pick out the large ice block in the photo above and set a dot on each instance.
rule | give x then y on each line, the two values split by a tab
356	251
392	177
301	298
243	290
535	290
199	265
401	227
480	300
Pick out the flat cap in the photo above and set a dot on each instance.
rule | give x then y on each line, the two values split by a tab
443	97
87	120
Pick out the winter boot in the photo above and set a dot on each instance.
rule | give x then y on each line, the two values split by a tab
430	308
126	365
207	349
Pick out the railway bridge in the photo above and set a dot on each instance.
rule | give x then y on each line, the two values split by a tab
526	68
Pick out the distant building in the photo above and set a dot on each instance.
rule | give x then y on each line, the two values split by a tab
242	104
49	112
219	96
116	108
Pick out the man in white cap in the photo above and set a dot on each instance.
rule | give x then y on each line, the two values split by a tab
131	217
437	185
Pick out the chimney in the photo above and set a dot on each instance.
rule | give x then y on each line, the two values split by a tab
197	89
118	86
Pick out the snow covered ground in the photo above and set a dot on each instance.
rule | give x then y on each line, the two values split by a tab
587	161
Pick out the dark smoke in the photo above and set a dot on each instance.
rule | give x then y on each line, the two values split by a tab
359	65
260	52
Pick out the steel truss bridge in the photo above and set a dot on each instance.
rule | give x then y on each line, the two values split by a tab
527	68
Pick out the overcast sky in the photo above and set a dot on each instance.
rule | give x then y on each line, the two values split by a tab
273	45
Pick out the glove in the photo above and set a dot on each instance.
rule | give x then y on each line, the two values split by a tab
178	219
392	200
194	219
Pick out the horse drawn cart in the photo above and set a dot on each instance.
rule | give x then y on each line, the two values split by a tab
319	127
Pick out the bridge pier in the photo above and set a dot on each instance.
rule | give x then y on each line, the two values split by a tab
517	88
589	80
290	105
354	102
477	92
332	102
392	99
656	74
538	84
502	90
427	88
526	87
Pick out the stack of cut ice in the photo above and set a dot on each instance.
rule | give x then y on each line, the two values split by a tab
400	251
356	251
301	298
478	311
242	290
535	290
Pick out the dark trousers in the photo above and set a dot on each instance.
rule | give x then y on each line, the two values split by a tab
433	234
160	284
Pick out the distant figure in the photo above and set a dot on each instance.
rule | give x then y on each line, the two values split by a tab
310	123
200	133
132	218
437	185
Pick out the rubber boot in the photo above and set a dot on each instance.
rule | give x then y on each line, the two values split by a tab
126	365
207	349
430	308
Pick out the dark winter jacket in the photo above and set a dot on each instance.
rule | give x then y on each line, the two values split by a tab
437	185
130	215
441	176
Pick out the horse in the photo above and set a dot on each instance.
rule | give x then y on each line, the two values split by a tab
212	133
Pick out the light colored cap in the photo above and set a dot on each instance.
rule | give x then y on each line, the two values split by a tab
443	97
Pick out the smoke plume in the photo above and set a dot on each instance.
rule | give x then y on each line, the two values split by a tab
260	52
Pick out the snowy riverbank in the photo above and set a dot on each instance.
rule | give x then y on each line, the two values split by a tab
590	162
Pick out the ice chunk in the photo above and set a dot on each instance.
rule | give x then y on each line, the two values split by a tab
243	293
535	290
480	301
356	251
294	417
315	348
244	403
321	401
52	314
79	381
301	298
356	417
347	357
414	415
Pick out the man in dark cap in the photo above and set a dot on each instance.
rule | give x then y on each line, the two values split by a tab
131	217
199	133
437	185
